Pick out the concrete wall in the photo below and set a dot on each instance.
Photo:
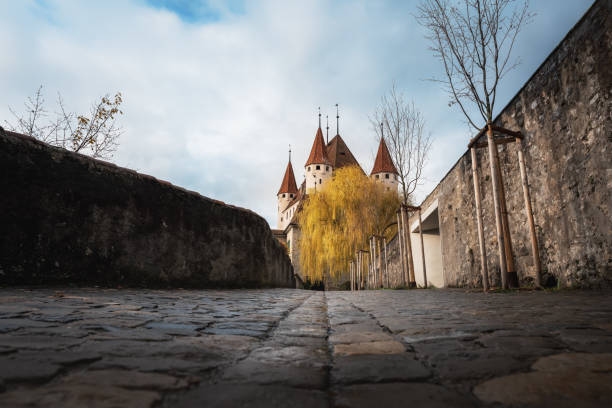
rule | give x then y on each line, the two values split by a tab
68	219
564	111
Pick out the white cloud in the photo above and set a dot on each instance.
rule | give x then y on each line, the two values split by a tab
212	107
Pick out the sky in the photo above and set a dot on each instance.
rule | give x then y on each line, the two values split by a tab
216	91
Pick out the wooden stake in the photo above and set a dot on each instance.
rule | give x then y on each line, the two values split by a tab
401	248
408	247
386	263
422	250
497	205
512	275
381	282
534	240
481	242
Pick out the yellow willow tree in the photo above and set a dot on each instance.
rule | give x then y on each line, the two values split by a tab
337	220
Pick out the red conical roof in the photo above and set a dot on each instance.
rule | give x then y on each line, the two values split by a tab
288	185
383	162
318	154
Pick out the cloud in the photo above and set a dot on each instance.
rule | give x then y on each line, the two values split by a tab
214	93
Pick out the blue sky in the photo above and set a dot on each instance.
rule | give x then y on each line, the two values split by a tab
215	91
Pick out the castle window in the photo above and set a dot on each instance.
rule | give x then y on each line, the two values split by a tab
377	176
319	181
283	196
318	167
326	168
308	168
291	195
386	175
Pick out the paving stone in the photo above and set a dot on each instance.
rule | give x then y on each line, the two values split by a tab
26	369
157	364
127	379
294	375
8	325
282	341
373	347
252	396
399	395
38	342
295	355
563	380
359	337
78	396
378	368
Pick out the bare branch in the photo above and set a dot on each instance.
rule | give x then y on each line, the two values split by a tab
403	128
96	134
474	43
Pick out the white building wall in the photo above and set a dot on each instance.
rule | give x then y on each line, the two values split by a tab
392	182
433	259
283	200
316	178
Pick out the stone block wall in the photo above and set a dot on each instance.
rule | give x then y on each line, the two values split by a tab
68	219
565	113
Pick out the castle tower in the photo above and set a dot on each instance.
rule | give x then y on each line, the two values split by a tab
318	167
287	192
384	170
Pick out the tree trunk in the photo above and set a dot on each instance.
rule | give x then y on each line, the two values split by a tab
481	241
496	203
412	283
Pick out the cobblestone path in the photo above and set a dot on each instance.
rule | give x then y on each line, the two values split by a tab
291	348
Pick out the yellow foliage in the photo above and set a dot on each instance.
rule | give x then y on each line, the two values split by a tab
338	219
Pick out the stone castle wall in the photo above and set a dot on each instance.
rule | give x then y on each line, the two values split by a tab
565	113
68	219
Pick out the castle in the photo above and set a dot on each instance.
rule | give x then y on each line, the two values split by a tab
323	160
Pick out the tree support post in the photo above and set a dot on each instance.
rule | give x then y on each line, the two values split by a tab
386	262
412	283
496	203
400	242
381	282
534	240
512	275
481	241
422	250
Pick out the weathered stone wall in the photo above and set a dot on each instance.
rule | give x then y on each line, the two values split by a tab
565	113
68	219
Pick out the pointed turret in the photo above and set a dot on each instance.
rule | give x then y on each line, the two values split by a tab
287	194
318	153
318	167
288	186
384	170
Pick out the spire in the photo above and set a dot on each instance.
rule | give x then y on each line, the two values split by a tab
289	153
337	121
318	153
288	185
327	127
383	162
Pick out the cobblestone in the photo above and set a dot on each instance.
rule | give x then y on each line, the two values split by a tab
276	348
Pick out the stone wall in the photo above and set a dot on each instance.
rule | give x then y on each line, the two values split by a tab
68	219
565	113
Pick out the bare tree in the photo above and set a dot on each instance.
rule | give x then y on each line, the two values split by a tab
96	134
403	129
474	40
